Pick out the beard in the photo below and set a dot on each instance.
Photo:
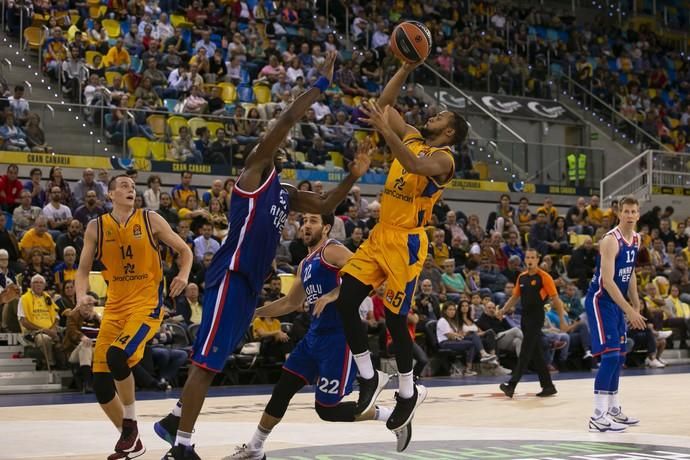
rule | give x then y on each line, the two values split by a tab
313	240
425	132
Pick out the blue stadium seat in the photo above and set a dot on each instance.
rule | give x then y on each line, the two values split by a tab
245	78
245	94
613	66
124	27
170	104
552	35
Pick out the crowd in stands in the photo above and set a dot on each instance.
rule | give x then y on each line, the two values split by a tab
203	58
470	272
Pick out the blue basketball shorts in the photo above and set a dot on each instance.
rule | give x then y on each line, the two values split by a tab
324	361
227	312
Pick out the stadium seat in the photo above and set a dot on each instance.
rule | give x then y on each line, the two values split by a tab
110	77
128	81
213	127
170	104
262	93
245	78
482	169
138	147
159	151
286	280
91	56
228	92
245	94
174	124
33	38
112	28
157	125
337	159
196	123
97	12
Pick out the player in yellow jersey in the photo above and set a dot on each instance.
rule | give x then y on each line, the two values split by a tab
126	242
397	246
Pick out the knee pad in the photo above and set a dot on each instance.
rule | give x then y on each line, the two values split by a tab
288	385
343	412
103	387
117	362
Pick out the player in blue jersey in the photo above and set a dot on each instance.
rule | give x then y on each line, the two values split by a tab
607	308
322	358
233	281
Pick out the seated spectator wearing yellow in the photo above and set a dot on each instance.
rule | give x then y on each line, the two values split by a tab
118	58
183	190
67	269
593	213
38	238
277	344
77	345
439	250
549	210
38	318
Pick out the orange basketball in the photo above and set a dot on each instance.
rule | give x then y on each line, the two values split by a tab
411	41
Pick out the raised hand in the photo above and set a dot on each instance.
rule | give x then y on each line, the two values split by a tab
326	69
360	165
376	117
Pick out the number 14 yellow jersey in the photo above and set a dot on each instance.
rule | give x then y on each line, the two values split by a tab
132	263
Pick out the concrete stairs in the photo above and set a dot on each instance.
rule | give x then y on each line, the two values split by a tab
19	375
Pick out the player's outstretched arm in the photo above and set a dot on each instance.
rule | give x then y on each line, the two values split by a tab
303	201
392	89
291	302
163	232
88	254
261	157
608	249
439	165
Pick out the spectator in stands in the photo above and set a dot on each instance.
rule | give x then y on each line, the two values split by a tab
67	300
77	345
513	269
117	59
572	301
38	264
508	338
167	358
73	237
541	236
450	336
593	213
188	306
14	137
525	218
91	209
20	106
38	318
549	210
183	148
453	281
183	190
438	249
10	189
36	238
353	221
55	179
87	183
578	333
24	215
355	240
153	193
167	211
275	343
431	272
205	242
67	269
33	185
218	218
35	137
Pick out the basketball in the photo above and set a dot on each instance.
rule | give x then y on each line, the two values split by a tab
411	41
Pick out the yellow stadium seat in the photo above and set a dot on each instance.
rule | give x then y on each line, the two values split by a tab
39	20
348	100
357	100
228	92
138	147
110	77
33	37
213	127
286	280
157	125
112	28
174	124
580	240
482	168
262	94
96	12
98	285
361	135
196	123
674	123
91	56
337	159
300	156
159	151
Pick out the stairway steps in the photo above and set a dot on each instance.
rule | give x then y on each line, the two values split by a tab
36	388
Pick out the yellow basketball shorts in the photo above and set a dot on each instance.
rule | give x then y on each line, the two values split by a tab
129	333
392	255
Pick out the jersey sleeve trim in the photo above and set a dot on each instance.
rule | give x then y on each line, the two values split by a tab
452	171
149	231
236	189
99	237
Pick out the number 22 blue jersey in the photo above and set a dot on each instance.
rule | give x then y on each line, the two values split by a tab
624	266
319	278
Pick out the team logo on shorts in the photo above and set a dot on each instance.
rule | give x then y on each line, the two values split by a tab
137	231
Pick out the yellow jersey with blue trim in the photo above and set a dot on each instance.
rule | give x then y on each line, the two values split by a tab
408	198
133	268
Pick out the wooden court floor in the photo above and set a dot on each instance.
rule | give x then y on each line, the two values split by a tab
452	417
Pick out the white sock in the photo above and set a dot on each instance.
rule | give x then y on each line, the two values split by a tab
382	413
614	404
406	389
130	413
183	438
364	365
601	404
260	435
177	410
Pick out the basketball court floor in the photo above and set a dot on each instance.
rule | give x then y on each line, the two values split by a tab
463	418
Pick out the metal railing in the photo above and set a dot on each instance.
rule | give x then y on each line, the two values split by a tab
647	172
605	115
